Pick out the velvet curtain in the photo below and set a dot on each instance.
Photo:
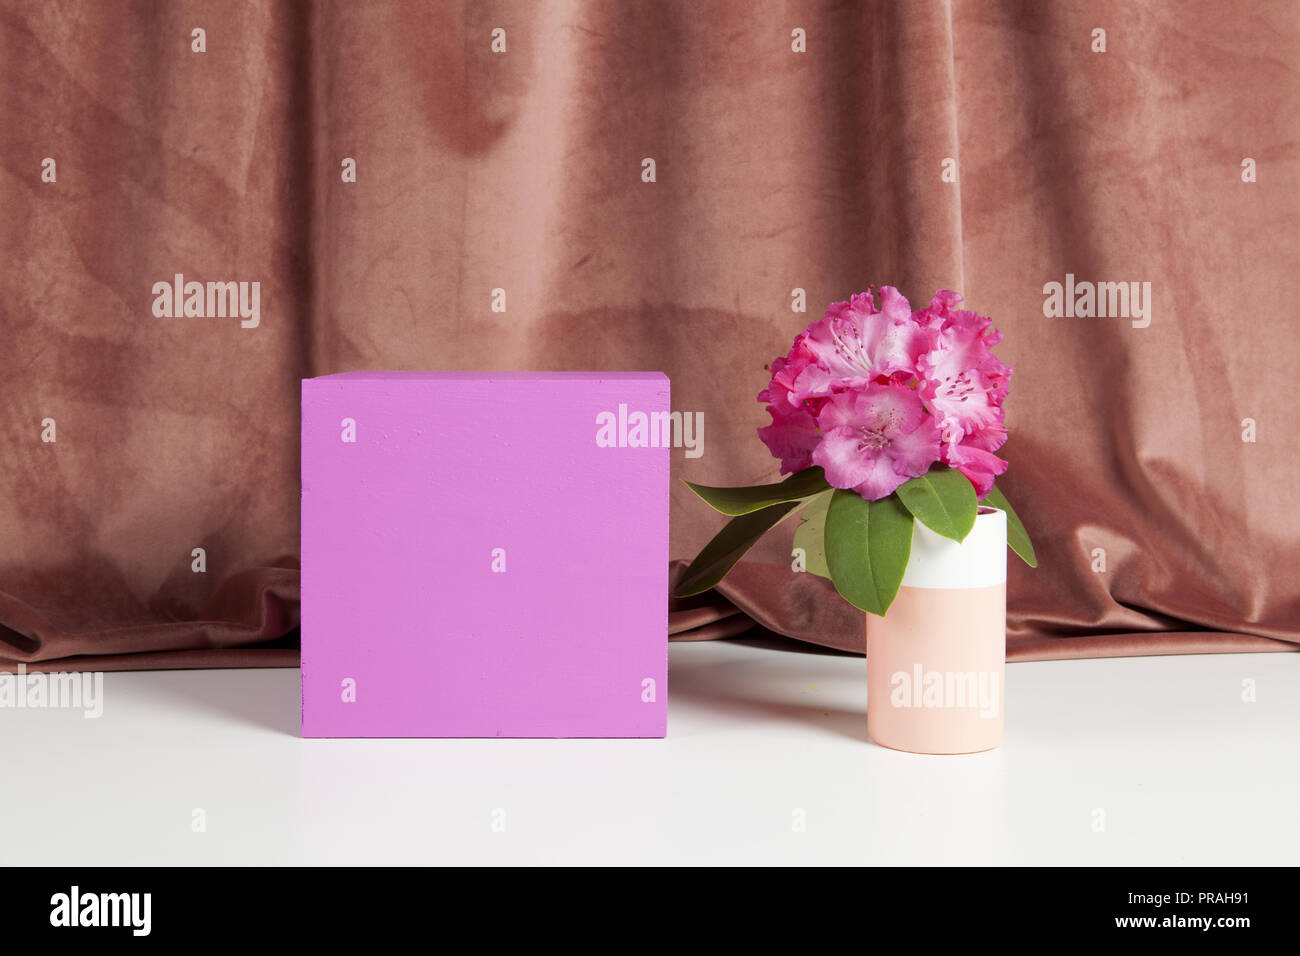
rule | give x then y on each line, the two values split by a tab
500	217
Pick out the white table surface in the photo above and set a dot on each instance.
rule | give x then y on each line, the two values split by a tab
1163	752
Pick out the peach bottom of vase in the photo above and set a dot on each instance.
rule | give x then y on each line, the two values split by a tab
936	669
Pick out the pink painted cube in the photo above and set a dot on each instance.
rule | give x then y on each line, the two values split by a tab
485	554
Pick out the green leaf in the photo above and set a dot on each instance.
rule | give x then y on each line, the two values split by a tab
742	501
811	535
1017	536
728	546
943	499
867	547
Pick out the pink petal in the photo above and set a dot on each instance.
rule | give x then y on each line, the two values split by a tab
914	452
884	481
846	464
792	436
980	466
989	438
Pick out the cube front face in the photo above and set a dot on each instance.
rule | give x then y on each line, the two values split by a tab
475	563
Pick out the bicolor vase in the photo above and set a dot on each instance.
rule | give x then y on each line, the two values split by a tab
936	662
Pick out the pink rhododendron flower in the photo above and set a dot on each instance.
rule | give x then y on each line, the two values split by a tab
954	381
877	395
980	466
793	434
875	438
855	343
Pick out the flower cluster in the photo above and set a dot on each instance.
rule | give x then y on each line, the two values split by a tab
876	396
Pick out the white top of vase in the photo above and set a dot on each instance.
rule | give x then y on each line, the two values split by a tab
978	562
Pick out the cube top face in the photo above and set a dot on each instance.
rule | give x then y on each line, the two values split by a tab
479	559
391	375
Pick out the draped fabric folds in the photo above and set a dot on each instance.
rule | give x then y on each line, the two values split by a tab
503	216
